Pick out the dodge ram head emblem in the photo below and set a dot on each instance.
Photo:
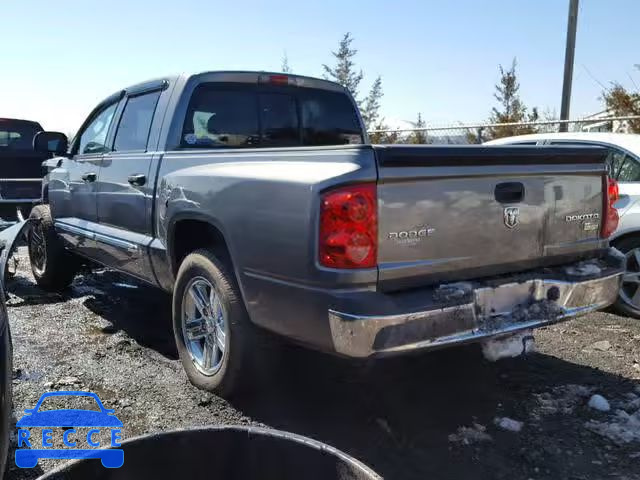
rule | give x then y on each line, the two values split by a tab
511	215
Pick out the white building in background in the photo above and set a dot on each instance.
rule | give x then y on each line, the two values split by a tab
601	123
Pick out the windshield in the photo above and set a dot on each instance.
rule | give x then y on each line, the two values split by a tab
17	134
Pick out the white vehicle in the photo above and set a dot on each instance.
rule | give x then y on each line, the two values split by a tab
624	166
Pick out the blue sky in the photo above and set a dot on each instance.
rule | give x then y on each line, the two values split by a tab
439	58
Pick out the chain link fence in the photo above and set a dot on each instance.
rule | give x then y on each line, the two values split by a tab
479	133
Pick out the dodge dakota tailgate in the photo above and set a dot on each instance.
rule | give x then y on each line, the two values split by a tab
460	212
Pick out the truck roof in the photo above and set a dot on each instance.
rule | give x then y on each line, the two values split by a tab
19	120
243	77
628	141
268	77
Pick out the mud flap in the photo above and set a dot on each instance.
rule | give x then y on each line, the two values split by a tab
8	242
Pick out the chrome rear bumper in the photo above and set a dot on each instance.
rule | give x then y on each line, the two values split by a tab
483	312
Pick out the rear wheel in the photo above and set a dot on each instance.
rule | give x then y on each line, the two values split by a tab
53	266
216	340
628	302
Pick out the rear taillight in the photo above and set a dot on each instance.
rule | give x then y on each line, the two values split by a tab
349	227
609	212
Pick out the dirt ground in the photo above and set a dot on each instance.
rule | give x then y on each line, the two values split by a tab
431	416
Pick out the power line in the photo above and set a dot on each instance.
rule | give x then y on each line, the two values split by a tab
593	77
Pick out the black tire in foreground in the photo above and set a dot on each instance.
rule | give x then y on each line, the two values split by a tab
628	302
52	265
216	340
6	371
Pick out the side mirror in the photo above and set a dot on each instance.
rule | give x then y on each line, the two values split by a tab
51	142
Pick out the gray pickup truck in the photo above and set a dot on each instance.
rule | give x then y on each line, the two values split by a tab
256	200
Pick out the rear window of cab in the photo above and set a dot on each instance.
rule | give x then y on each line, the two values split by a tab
249	116
17	134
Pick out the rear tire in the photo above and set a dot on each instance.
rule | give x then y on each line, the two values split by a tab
625	304
53	266
224	329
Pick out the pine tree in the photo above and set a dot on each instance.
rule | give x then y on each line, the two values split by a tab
383	137
418	137
511	109
285	68
344	72
370	108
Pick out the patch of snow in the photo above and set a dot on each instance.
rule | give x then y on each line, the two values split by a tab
509	424
508	347
541	310
598	402
633	404
452	291
563	399
470	435
621	428
582	269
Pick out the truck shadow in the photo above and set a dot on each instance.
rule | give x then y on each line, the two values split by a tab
397	415
144	313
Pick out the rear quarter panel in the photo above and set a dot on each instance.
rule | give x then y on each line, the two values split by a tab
265	203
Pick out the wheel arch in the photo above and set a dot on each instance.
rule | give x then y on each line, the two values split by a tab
616	240
191	231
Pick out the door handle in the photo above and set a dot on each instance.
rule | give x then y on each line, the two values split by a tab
509	192
89	176
137	180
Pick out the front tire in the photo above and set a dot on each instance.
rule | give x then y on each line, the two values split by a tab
53	266
628	302
213	333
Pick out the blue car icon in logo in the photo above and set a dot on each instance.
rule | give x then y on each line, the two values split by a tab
96	420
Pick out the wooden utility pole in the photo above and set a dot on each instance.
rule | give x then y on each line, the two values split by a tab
569	55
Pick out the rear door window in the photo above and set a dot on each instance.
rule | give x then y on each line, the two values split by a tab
628	169
135	122
615	160
232	116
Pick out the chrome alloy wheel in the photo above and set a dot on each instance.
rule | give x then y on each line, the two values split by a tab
204	325
38	248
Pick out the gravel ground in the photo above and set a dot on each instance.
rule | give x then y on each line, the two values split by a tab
448	414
